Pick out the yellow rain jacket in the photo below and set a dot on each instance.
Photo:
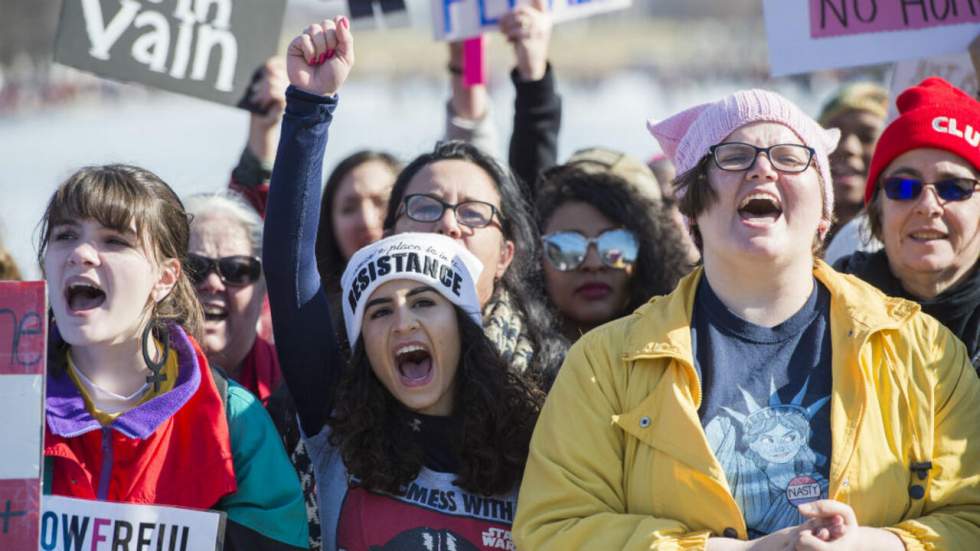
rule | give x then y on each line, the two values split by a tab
619	459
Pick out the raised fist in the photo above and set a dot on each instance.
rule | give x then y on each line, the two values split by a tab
320	58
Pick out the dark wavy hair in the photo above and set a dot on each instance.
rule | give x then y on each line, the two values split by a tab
662	257
494	408
523	279
330	260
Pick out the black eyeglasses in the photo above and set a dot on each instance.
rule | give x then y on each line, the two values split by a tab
902	188
566	250
426	208
785	157
236	271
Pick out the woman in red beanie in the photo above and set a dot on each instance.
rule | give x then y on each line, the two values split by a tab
923	204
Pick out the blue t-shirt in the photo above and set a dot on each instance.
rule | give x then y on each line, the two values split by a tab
765	406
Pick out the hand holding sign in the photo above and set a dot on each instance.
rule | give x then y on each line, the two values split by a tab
528	28
319	60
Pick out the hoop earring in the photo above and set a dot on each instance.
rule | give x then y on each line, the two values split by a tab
156	376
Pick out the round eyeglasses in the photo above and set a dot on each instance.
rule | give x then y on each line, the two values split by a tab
785	157
426	208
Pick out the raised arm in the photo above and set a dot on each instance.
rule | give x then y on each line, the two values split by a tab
318	61
251	177
537	106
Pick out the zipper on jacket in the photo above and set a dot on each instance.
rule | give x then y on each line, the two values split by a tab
105	475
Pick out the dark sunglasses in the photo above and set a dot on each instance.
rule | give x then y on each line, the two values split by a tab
236	271
902	188
566	250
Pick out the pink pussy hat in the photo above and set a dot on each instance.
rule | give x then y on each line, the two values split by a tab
686	136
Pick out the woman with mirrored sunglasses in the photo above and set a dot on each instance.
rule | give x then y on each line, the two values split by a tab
923	203
606	247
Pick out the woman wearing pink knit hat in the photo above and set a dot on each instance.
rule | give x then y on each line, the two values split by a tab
923	203
768	402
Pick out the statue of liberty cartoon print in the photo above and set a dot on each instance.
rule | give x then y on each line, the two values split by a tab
767	459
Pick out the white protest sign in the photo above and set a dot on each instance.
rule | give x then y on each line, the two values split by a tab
808	35
956	69
69	523
23	346
460	19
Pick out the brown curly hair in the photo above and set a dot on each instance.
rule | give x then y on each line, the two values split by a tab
495	409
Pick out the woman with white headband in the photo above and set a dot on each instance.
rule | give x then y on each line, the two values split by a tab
421	437
769	402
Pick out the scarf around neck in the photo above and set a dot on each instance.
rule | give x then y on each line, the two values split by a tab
504	326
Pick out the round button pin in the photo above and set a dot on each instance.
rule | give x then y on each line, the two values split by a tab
644	422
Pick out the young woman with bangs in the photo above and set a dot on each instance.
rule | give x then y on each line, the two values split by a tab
134	413
419	441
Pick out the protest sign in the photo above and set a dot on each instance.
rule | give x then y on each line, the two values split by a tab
208	49
381	14
69	523
807	35
23	344
957	69
460	19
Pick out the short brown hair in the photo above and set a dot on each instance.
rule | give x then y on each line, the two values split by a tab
116	196
695	195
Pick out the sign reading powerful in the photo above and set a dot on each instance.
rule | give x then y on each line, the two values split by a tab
459	19
23	346
69	523
202	48
807	35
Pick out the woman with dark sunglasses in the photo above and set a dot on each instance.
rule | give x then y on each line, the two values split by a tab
923	203
224	266
607	247
768	402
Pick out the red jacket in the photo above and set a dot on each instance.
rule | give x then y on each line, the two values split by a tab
174	449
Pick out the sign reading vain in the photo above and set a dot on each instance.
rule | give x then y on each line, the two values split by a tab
23	345
202	48
807	35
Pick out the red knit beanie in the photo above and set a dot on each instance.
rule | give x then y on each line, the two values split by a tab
932	114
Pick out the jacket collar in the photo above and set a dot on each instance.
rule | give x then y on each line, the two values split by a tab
662	327
67	416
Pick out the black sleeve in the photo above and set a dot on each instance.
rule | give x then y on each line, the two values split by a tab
239	537
309	356
537	120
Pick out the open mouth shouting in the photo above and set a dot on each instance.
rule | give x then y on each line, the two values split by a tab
414	364
82	295
927	235
760	208
214	312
